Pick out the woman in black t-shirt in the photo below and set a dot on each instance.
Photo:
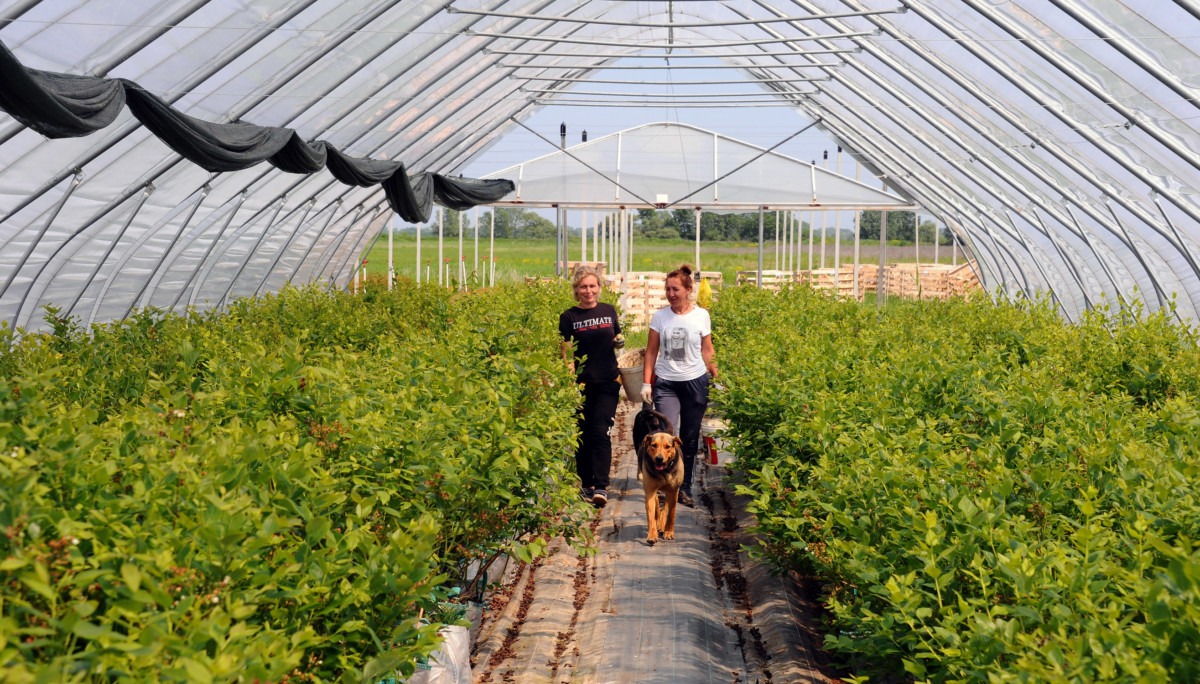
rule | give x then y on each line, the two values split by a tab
594	328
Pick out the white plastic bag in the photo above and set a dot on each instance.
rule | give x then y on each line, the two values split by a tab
450	663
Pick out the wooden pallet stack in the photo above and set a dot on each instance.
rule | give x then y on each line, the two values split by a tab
928	281
644	292
601	266
772	280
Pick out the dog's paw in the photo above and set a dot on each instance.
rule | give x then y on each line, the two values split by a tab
668	535
650	542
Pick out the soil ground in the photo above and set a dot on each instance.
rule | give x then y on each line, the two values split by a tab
695	609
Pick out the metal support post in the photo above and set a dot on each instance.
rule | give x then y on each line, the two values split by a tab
41	233
111	246
760	248
333	208
178	234
251	252
881	280
327	254
212	246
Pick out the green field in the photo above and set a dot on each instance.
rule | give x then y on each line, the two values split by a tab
517	258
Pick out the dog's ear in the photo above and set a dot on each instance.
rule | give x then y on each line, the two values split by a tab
678	445
646	442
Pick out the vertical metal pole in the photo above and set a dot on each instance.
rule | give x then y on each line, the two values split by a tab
937	237
629	242
209	251
492	247
824	166
355	249
1087	238
837	237
441	253
881	281
41	233
697	215
776	241
596	236
108	252
142	290
1163	299
461	282
583	227
337	204
1184	245
811	215
857	240
391	276
1038	264
475	269
327	256
418	264
760	248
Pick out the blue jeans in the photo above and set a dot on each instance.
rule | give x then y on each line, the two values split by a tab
684	403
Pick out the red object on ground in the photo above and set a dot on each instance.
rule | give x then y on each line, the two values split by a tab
712	449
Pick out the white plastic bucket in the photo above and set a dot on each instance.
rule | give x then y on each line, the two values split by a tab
631	364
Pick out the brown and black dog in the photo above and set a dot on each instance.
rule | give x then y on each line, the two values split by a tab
660	468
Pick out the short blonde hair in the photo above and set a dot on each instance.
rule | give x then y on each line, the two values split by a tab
582	271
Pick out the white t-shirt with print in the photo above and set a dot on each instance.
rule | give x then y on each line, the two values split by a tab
679	343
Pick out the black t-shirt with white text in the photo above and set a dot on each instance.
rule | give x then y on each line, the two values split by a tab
593	331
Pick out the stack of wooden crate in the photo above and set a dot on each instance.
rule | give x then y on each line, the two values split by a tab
772	280
644	292
927	281
601	266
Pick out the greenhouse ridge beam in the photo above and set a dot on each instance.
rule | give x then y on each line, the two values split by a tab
673	55
563	79
672	25
679	46
642	67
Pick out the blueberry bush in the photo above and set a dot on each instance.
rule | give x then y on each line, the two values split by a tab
277	491
987	493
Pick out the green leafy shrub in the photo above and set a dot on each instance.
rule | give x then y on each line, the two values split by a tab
989	493
278	490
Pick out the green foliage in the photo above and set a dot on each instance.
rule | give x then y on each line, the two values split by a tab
988	493
900	225
277	489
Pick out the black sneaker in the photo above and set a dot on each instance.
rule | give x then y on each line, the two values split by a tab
685	498
586	493
600	497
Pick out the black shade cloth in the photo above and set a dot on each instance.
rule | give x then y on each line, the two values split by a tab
66	106
57	105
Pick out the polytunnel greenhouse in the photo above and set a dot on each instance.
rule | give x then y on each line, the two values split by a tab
247	434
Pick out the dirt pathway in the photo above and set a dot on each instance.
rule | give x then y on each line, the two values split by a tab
696	609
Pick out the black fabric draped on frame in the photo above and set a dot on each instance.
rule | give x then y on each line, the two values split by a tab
69	106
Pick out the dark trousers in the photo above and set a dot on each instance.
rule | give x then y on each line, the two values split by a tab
593	455
684	403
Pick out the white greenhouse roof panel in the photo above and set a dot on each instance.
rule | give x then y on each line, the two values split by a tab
666	164
1060	139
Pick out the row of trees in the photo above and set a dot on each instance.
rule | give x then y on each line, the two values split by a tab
681	223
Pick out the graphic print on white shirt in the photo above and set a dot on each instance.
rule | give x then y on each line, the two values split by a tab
674	343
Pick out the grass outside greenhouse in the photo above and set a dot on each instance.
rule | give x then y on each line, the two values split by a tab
517	258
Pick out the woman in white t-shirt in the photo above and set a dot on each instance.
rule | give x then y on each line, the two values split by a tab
679	366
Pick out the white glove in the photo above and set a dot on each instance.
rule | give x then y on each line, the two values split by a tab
647	395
